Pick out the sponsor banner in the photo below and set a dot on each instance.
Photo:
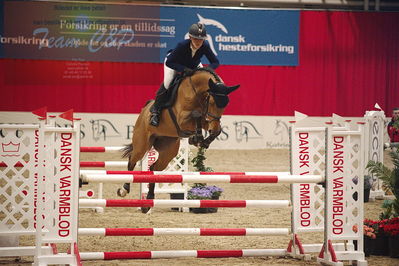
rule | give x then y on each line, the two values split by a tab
238	132
139	33
241	36
79	31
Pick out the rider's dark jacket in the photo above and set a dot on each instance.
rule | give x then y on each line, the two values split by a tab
180	57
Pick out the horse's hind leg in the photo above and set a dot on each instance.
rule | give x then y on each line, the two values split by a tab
125	189
138	152
167	148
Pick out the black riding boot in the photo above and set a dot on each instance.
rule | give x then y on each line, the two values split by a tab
160	100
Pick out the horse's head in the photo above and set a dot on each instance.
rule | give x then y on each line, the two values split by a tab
216	100
208	98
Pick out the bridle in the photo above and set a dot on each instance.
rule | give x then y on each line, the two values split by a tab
205	114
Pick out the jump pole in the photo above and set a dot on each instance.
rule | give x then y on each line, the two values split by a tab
182	253
110	172
101	149
287	179
185	203
103	164
184	231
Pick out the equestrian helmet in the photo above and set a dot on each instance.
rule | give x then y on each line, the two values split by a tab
197	31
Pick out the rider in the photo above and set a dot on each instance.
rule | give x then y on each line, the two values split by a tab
183	59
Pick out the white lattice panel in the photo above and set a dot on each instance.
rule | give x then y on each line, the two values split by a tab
355	186
345	168
18	176
374	148
344	196
308	158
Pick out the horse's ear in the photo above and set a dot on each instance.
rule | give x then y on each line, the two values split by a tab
231	89
211	84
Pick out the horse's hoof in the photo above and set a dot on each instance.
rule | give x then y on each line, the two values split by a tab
204	145
145	209
121	192
195	140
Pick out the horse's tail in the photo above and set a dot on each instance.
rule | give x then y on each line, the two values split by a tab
127	150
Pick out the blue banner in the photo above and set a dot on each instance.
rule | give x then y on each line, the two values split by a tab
139	33
240	36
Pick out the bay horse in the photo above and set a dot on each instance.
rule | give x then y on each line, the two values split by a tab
199	104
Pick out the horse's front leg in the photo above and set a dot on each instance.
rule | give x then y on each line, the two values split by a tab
207	141
151	193
197	138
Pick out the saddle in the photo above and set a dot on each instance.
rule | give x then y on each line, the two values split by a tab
172	91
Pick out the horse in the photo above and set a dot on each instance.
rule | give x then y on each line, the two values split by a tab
199	103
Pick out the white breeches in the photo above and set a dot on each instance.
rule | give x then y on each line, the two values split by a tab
168	75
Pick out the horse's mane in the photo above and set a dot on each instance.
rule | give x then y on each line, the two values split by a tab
209	70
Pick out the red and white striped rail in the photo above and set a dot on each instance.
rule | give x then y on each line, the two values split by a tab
184	231
101	149
190	178
104	164
182	253
110	172
84	164
184	203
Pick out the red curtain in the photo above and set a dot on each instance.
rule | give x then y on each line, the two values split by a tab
347	62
